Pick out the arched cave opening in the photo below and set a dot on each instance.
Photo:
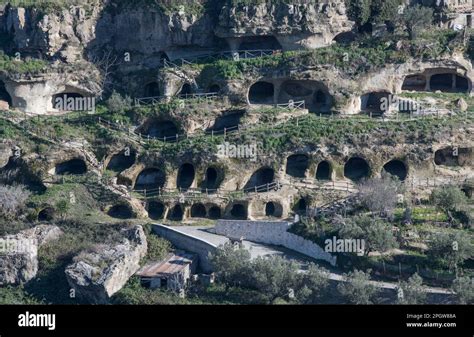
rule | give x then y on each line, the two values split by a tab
214	213
46	214
215	88
71	167
296	165
120	211
454	156
122	161
414	83
152	89
156	210
260	42
262	93
176	213
273	209
375	102
186	89
227	121
198	211
314	93
212	179
149	179
186	175
4	95
449	82
158	129
324	171
261	177
344	38
396	168
238	212
442	82
356	169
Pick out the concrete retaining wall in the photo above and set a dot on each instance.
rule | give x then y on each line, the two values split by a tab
272	233
189	243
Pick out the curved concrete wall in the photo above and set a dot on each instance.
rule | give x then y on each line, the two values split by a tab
272	233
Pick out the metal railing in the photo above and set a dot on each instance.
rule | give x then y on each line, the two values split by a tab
225	55
155	100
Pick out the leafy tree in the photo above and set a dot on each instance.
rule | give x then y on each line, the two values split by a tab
359	11
357	289
450	249
380	195
448	199
376	233
464	289
231	265
274	277
118	104
412	291
416	18
312	285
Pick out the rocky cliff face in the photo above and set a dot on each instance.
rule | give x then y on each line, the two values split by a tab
294	25
143	31
96	276
19	253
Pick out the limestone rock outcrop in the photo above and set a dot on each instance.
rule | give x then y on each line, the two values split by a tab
19	253
295	26
97	275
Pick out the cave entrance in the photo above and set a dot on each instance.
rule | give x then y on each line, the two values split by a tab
71	167
462	84
186	89
273	209
149	179
262	93
155	210
443	82
259	43
321	102
46	214
152	89
344	38
375	102
314	93
186	175
296	165
159	129
211	180
215	88
414	83
449	82
396	168
228	121
324	171
260	178
122	161
4	95
198	211
301	206
120	211
448	156
356	169
176	213
239	212
214	213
